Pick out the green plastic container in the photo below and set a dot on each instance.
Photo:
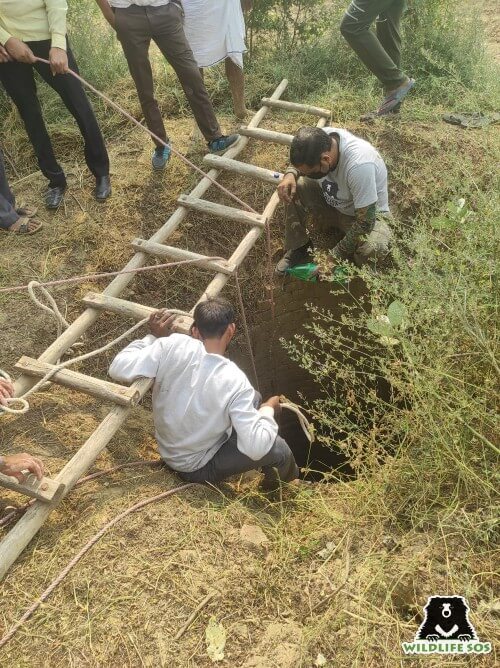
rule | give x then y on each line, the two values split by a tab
305	272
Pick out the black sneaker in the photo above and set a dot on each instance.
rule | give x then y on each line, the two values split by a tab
294	257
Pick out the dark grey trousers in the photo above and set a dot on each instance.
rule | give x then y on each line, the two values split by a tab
228	461
8	215
135	27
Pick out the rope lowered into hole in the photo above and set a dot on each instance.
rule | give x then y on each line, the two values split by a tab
306	426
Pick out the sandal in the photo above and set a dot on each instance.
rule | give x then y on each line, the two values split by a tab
27	211
24	227
396	97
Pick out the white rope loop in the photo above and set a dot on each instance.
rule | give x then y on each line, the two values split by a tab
56	313
52	310
11	400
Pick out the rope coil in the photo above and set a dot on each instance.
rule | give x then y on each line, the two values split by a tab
62	323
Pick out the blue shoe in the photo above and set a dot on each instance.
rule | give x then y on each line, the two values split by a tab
161	156
220	144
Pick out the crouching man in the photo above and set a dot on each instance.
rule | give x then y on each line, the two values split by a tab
207	418
342	178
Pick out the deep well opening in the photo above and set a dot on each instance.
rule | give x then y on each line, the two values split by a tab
278	374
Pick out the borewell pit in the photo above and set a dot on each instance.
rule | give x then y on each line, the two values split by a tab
278	374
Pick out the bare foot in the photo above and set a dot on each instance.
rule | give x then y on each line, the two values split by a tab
28	211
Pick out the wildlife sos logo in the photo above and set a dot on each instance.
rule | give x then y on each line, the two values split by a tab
330	192
446	629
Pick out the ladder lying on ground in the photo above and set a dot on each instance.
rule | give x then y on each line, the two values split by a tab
124	398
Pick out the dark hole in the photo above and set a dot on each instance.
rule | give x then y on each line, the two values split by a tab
278	374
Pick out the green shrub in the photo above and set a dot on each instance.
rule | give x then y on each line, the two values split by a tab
409	371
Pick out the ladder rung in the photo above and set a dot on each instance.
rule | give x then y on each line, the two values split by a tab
119	394
130	309
45	489
219	162
293	106
267	135
170	252
222	211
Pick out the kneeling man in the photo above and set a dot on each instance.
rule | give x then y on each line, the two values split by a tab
207	418
342	177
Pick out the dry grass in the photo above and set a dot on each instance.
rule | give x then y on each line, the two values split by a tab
123	604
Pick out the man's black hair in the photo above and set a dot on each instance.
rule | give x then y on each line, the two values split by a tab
212	317
308	145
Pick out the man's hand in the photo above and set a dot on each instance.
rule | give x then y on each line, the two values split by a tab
246	5
107	12
58	59
274	403
6	391
287	188
4	55
161	323
14	465
19	51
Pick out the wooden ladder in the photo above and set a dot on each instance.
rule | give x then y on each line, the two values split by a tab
124	398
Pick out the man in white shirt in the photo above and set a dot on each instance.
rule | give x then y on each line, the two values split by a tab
215	30
137	22
342	177
207	423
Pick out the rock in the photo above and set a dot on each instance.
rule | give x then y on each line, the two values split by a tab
253	535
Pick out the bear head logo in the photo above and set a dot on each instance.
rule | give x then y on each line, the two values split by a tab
446	618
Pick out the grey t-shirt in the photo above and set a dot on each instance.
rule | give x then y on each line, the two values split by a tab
360	177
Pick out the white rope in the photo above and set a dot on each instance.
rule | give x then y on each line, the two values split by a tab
55	312
18	411
307	427
52	310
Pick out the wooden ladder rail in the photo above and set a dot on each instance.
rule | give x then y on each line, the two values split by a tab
27	526
45	490
220	280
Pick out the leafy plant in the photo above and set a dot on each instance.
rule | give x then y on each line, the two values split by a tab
408	370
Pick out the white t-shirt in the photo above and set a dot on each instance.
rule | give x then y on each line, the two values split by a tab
198	398
123	4
360	177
